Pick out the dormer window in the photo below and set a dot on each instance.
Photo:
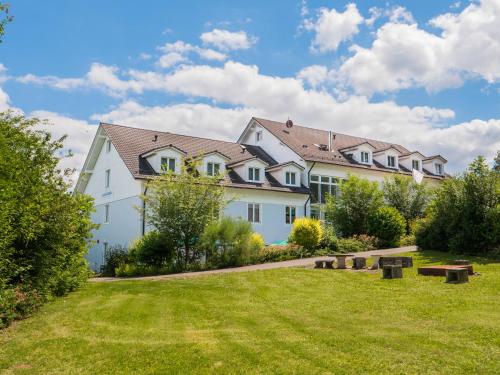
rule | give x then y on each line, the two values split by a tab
290	178
213	169
365	157
258	136
415	164
439	168
254	174
168	164
391	161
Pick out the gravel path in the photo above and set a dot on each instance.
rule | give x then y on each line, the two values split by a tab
265	266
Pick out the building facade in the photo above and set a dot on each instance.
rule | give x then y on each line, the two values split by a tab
274	173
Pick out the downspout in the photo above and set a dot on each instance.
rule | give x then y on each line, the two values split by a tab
144	212
308	183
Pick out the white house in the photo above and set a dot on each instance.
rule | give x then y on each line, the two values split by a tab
275	173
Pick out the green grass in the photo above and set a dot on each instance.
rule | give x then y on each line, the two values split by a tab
276	321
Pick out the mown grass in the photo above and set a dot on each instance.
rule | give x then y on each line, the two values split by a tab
276	321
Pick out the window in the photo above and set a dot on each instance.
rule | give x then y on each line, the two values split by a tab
253	174
321	186
258	136
213	169
439	168
415	164
290	214
106	247
107	177
391	161
365	157
290	178
254	212
168	164
108	145
106	213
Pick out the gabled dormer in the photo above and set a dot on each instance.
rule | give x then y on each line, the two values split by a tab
213	163
166	158
288	174
251	170
361	153
412	160
435	164
387	157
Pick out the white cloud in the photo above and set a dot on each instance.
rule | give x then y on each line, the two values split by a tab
177	52
399	14
4	100
227	40
404	55
145	56
332	27
52	81
314	75
169	59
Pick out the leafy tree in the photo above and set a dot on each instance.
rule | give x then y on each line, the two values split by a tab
306	232
4	19
464	216
388	225
180	206
408	197
44	228
349	212
496	162
153	249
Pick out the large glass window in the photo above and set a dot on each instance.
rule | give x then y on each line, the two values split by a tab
254	212
168	164
290	214
321	187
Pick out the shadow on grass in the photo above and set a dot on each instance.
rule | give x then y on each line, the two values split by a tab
428	256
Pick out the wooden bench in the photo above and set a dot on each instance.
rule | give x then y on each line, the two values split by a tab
441	270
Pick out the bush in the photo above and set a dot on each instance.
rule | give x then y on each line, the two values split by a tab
256	242
114	257
17	303
350	245
306	232
277	253
388	225
328	239
153	249
228	242
368	242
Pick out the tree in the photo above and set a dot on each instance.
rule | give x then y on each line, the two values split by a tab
44	228
180	206
349	212
408	197
496	162
388	225
464	216
4	19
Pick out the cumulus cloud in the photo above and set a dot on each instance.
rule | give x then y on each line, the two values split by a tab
4	100
404	55
314	75
227	40
177	52
52	81
332	28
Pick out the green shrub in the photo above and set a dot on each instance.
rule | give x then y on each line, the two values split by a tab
277	253
256	242
350	245
329	240
368	242
408	240
153	249
18	302
388	225
306	232
228	242
114	256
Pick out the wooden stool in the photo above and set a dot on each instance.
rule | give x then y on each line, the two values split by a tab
391	271
457	276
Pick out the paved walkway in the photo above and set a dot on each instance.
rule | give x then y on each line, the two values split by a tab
264	266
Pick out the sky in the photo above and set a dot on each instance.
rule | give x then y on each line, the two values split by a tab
424	74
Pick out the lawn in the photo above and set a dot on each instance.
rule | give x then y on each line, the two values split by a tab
275	321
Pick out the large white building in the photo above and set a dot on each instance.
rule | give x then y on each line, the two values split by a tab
275	172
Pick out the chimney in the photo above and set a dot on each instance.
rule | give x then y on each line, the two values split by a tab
155	138
330	140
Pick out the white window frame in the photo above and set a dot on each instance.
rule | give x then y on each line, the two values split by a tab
288	178
212	171
107	178
417	162
367	161
289	218
258	136
438	168
108	145
393	158
106	213
169	159
252	207
331	181
251	174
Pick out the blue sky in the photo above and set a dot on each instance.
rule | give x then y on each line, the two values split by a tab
425	74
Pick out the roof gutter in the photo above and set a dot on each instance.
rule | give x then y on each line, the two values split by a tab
309	196
144	212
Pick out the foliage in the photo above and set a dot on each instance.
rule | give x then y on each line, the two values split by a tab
367	242
17	302
496	162
328	238
464	216
349	212
351	245
227	242
408	197
256	242
388	225
306	232
114	256
152	249
6	18
44	229
277	253
180	206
